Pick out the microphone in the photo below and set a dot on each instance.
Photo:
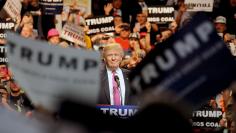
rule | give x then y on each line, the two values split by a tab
117	80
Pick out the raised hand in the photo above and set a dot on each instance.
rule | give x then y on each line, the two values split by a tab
107	8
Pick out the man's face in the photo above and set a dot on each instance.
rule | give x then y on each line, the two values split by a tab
113	58
141	18
220	27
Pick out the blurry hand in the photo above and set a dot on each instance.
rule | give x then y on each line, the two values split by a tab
108	8
148	26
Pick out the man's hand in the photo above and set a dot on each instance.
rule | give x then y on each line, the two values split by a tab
108	8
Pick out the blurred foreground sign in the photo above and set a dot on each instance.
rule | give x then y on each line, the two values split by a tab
50	73
12	122
194	64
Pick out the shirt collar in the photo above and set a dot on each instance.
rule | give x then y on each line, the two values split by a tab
118	70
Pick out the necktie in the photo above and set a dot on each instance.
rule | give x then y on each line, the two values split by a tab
116	92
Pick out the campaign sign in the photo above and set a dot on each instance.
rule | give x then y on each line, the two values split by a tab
207	118
119	111
12	8
5	25
50	73
3	58
51	7
161	14
73	33
193	64
199	5
101	24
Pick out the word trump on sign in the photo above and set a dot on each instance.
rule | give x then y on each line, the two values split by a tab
119	111
186	64
73	33
5	25
181	49
160	14
209	118
101	24
50	74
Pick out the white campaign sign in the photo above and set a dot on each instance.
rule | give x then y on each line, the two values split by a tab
73	33
13	8
50	74
199	5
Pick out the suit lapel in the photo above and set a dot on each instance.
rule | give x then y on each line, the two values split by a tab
126	80
106	85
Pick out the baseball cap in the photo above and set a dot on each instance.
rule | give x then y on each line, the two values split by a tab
52	32
220	19
125	26
134	35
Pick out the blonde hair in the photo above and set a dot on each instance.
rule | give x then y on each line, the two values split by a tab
29	26
112	46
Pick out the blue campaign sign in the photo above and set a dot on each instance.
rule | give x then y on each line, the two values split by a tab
194	64
119	111
51	7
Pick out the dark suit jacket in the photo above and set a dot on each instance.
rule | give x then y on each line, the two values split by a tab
104	95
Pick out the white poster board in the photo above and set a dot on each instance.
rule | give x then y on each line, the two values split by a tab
13	8
50	74
73	33
199	5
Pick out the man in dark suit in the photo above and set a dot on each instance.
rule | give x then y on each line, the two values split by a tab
114	80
